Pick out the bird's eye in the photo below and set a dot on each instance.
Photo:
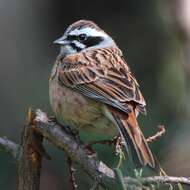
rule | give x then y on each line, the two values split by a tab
82	37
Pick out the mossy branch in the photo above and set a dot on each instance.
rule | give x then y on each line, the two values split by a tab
31	151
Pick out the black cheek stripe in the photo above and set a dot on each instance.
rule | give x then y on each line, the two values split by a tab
73	45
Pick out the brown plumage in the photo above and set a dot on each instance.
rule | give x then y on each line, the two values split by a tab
83	24
95	90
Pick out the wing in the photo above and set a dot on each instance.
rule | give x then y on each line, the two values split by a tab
102	75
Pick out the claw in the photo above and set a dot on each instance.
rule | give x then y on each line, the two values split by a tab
52	119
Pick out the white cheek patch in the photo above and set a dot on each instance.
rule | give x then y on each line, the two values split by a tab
78	44
89	32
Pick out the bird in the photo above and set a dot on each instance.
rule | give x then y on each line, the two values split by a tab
92	89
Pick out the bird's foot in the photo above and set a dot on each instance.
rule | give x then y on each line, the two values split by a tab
118	145
89	150
68	129
52	119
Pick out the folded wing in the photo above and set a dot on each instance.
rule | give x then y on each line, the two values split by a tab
102	75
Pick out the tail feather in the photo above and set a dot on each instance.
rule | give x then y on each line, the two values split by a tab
134	139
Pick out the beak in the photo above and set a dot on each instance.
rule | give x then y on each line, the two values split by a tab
61	41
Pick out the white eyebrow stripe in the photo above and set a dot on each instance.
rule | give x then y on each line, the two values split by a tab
88	32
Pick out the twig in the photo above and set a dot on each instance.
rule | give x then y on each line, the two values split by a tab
158	135
167	179
9	146
161	131
147	181
72	174
158	180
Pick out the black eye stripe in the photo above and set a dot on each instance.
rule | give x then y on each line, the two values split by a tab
88	42
72	37
92	41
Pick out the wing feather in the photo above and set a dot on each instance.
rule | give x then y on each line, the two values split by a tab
102	75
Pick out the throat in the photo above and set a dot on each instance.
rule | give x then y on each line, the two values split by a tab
67	50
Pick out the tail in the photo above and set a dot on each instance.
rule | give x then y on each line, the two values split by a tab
134	139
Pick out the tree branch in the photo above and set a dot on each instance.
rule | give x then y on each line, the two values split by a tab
167	179
29	156
157	179
74	148
9	146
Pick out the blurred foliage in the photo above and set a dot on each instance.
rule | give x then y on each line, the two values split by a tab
153	45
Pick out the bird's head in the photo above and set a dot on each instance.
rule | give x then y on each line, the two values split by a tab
83	35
